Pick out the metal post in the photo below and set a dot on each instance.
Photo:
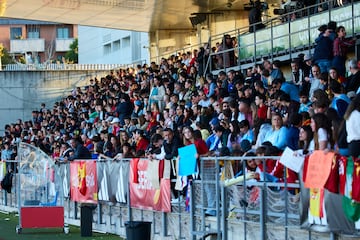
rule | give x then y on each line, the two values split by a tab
180	222
225	212
5	198
333	236
263	206
99	215
243	163
128	203
154	223
353	17
254	46
217	191
238	47
309	30
164	224
192	211
203	193
289	34
75	210
210	55
286	204
272	40
263	213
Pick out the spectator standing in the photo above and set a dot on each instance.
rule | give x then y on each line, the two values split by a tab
323	53
124	108
340	48
157	93
255	15
226	56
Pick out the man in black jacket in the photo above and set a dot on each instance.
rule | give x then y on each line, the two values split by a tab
80	151
124	108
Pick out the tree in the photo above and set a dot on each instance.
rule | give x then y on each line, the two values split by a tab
5	57
72	55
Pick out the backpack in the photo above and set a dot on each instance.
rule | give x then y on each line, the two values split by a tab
6	183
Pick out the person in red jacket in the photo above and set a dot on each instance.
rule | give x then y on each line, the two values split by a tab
141	143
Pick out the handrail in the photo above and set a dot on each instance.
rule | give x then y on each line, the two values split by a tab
66	66
286	40
310	32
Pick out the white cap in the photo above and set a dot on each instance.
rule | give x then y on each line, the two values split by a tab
115	120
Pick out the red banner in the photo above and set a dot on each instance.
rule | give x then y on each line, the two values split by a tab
150	185
83	181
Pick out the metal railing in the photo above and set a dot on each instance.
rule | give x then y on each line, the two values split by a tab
68	67
239	206
285	40
61	67
282	39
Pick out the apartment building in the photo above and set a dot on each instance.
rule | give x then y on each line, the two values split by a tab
36	41
112	46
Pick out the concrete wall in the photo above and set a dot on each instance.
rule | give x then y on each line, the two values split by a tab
22	92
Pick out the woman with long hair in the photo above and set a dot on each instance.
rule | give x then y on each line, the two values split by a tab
321	127
124	137
116	145
189	138
234	137
352	118
305	137
188	115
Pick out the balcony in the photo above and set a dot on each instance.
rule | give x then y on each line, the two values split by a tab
27	45
63	45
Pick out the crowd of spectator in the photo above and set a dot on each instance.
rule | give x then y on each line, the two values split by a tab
154	109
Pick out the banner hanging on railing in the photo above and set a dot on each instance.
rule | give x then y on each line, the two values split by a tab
83	181
150	184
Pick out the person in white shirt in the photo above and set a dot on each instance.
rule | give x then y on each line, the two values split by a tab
321	127
315	81
352	118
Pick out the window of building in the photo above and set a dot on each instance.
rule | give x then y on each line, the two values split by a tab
62	32
116	45
15	33
33	32
126	42
107	49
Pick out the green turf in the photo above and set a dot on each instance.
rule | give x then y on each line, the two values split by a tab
8	223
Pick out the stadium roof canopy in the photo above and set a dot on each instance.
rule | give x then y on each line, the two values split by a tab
137	15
